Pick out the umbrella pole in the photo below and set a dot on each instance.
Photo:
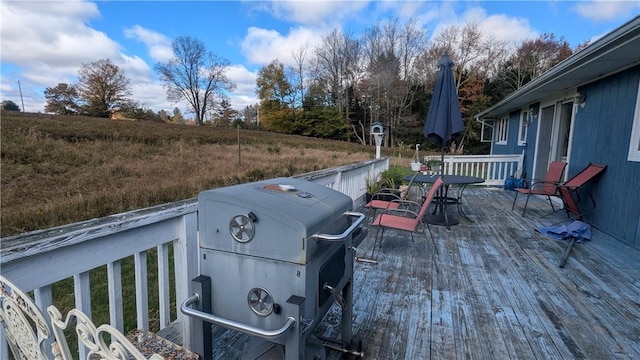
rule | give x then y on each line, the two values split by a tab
441	206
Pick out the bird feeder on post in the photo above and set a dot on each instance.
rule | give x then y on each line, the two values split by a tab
377	131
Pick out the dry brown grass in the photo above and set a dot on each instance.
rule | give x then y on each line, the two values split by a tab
57	170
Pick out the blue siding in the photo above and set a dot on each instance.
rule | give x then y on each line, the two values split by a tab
602	133
512	147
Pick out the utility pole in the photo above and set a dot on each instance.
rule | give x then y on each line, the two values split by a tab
21	99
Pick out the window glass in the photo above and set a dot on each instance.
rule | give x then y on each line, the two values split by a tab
502	128
522	128
486	134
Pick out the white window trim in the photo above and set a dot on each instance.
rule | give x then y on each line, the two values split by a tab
502	130
634	144
524	121
486	133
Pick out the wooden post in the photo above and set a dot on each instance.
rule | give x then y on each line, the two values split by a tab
239	155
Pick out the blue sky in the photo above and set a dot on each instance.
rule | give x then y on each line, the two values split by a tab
43	43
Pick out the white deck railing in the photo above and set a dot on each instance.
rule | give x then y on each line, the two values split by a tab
37	260
493	168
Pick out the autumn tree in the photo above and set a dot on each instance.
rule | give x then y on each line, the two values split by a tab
62	99
177	116
195	75
476	56
532	58
277	96
102	86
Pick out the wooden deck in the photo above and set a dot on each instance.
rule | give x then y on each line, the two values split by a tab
491	289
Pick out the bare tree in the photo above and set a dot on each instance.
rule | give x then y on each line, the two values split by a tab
392	51
102	86
299	56
337	63
195	75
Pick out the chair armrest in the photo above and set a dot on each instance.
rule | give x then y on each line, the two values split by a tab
386	192
404	206
399	212
538	183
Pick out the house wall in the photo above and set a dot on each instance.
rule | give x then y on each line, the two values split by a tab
512	147
602	133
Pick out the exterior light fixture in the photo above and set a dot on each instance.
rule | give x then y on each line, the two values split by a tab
580	100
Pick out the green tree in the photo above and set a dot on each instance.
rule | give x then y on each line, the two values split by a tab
195	75
10	106
134	110
225	114
102	86
62	99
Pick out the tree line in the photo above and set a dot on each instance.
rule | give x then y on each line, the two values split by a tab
336	89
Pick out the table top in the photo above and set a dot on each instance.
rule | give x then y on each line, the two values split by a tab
447	179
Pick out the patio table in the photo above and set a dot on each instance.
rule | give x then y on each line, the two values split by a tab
440	216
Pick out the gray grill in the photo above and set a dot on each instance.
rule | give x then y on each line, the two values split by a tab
278	253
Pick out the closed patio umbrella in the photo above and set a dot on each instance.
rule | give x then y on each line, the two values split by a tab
444	119
443	124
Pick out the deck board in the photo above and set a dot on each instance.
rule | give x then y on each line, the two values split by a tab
489	289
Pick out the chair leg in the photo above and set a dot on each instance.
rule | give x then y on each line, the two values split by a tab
514	201
525	205
375	241
433	240
551	203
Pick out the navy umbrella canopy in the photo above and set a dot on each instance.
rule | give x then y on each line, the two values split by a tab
444	119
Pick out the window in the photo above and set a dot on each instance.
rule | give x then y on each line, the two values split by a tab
501	128
523	127
634	145
486	134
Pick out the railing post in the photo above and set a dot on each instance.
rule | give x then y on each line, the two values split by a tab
187	261
201	336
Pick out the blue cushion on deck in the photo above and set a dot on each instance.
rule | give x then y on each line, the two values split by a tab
572	229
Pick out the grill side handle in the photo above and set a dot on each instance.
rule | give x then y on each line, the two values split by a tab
350	229
216	320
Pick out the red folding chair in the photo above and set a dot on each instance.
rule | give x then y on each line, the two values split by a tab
572	193
405	219
388	198
546	187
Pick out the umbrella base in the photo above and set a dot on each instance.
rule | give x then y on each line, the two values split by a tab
440	220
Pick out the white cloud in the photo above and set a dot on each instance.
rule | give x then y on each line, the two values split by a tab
262	46
158	44
245	92
313	12
33	31
606	10
501	27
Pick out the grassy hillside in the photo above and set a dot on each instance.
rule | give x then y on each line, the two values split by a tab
62	169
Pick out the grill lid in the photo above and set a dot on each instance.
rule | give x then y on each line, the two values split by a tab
272	218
